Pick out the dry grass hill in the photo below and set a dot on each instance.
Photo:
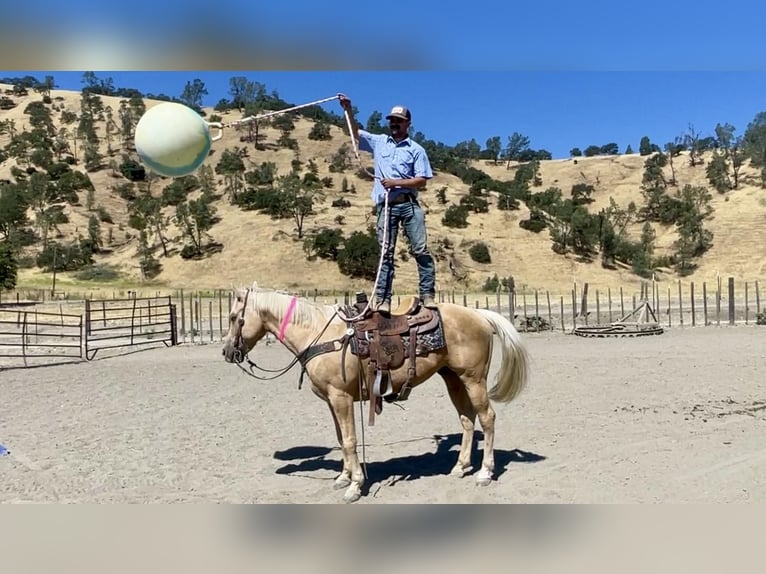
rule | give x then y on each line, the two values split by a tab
256	247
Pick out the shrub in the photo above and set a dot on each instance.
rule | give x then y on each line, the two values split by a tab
132	170
536	222
325	244
479	252
455	216
360	255
98	273
189	251
341	202
103	215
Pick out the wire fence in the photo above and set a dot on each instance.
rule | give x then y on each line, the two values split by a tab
202	316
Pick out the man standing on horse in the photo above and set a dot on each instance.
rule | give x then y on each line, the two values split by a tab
401	169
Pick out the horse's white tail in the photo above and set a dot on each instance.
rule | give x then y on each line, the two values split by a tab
514	367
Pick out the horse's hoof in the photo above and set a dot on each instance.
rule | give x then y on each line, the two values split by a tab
341	482
353	493
484	477
461	471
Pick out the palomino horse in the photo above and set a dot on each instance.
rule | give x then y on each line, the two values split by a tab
463	363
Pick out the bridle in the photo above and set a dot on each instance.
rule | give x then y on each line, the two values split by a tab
239	358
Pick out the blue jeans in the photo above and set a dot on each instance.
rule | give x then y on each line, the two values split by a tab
413	222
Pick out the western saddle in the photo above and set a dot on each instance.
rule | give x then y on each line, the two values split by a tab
387	340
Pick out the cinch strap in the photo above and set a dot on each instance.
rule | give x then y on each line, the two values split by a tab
286	319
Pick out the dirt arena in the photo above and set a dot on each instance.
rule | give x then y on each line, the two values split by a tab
679	417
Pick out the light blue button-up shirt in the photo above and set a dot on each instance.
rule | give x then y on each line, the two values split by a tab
393	160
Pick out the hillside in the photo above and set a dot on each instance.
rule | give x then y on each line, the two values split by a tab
256	247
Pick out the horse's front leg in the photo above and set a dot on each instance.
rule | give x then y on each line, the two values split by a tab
342	405
343	480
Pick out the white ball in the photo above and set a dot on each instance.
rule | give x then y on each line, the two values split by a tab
172	139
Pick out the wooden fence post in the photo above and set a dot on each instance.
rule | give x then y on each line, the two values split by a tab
584	307
622	305
731	301
680	305
609	297
563	329
574	310
598	309
704	301
550	313
694	316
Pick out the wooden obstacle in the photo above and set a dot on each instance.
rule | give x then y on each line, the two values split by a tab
640	322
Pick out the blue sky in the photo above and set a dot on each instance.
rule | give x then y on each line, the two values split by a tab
566	74
556	110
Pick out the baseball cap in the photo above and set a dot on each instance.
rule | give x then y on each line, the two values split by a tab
400	112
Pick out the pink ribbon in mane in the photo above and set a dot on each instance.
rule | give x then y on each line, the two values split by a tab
287	317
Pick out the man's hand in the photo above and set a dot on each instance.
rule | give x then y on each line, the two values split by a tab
345	102
390	183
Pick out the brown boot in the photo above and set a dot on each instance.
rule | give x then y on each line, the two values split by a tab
429	302
384	307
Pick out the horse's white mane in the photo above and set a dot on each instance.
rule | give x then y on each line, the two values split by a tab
306	313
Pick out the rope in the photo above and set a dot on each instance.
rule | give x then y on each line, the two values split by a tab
277	112
384	249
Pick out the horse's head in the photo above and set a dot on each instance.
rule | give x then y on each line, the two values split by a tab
246	328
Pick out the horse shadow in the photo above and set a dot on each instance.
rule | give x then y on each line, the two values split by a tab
308	459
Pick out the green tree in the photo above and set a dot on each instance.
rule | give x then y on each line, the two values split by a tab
9	266
717	172
373	124
692	141
13	210
146	215
94	233
232	168
575	152
320	131
193	93
693	238
494	147
327	244
360	255
195	218
592	150
581	193
298	197
149	265
645	146
243	91
754	142
653	187
517	145
733	152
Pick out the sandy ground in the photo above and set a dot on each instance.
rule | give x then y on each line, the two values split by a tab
679	417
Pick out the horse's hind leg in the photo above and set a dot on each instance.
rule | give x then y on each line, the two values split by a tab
465	410
477	392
